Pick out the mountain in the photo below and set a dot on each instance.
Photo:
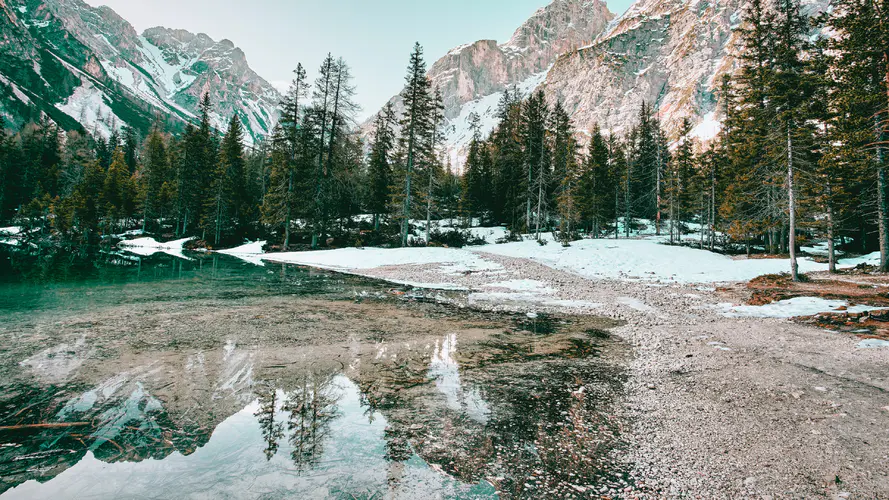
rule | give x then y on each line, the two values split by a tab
472	77
670	53
87	65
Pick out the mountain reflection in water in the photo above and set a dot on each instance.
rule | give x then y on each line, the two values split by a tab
397	421
213	378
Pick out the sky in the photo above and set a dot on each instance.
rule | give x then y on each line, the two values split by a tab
375	37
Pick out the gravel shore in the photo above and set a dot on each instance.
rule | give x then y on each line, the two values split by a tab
719	407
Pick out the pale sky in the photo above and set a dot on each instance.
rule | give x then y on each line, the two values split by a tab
374	36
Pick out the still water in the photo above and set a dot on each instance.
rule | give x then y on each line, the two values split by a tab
161	377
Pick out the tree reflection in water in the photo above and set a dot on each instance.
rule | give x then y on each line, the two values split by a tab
311	408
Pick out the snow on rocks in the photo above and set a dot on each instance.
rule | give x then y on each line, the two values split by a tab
8	235
793	308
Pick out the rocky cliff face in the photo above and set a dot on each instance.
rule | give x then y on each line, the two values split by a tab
91	67
671	53
473	77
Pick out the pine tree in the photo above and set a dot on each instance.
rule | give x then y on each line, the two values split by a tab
474	185
380	164
432	164
415	131
118	192
536	158
788	94
283	193
155	172
597	185
508	162
227	205
682	173
862	68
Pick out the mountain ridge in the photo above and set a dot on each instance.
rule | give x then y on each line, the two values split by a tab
161	71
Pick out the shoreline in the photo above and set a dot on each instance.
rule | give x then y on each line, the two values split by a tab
719	407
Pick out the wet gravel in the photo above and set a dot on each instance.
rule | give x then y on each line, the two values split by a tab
719	407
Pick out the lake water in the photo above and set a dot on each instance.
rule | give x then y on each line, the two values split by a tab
159	377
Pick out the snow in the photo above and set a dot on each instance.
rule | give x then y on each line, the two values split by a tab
250	252
170	77
88	105
459	131
872	259
646	260
7	235
348	259
523	286
874	344
708	129
149	246
796	307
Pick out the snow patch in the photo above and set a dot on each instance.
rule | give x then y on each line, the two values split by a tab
796	307
89	106
250	252
874	344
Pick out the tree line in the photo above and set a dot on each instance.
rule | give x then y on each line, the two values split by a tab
800	156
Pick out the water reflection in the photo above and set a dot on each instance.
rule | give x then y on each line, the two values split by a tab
214	378
506	416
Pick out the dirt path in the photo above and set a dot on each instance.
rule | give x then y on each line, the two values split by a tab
721	407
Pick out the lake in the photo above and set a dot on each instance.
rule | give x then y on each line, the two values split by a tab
159	377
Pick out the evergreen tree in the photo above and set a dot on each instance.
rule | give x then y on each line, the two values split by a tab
288	158
597	185
380	164
155	171
118	192
227	205
862	70
416	128
535	114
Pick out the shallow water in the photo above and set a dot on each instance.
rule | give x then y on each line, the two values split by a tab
214	378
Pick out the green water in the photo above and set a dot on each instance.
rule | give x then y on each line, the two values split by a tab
104	392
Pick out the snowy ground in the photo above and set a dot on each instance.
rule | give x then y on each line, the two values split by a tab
643	260
796	307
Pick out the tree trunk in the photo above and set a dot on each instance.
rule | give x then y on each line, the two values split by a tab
617	213
831	250
881	200
289	214
540	194
791	198
657	224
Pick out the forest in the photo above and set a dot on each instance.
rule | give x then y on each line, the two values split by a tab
801	156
